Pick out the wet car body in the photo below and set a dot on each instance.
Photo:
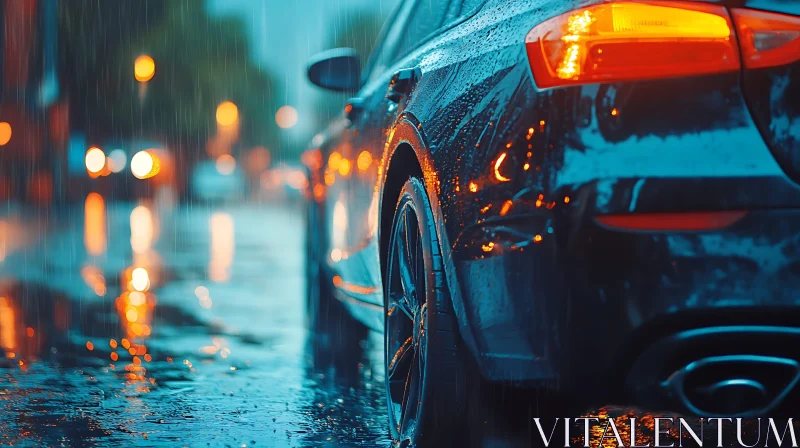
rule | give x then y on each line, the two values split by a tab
604	236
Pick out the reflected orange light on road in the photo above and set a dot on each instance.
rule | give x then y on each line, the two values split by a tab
286	117
94	224
144	67
339	224
137	298
222	247
227	113
8	326
135	307
140	279
5	133
142	229
94	279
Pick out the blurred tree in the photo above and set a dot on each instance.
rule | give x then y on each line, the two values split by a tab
358	30
200	61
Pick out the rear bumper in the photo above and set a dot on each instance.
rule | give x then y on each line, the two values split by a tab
584	303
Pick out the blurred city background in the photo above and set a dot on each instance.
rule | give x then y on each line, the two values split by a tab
132	97
152	224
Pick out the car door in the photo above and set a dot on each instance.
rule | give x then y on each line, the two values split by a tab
355	161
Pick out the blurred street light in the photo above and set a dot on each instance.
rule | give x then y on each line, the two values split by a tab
364	160
94	227
140	279
118	160
286	117
226	164
258	160
144	68
144	165
5	133
95	161
227	113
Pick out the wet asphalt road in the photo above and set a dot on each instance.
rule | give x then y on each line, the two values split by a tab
212	352
154	324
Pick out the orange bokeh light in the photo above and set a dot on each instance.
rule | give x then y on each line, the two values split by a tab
144	68
227	113
5	133
286	117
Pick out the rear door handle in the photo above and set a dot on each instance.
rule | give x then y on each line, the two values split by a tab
402	82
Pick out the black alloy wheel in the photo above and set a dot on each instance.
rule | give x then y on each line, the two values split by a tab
425	374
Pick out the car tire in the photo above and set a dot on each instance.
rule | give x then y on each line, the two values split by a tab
424	359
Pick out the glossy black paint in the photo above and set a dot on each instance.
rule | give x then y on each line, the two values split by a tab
772	95
516	176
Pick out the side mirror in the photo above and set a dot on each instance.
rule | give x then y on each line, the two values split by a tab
338	69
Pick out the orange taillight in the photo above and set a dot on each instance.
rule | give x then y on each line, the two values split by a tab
767	39
632	40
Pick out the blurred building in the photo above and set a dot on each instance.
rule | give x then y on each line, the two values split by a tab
34	121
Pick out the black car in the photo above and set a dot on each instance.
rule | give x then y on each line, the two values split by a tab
599	197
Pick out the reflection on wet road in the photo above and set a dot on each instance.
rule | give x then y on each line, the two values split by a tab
139	324
146	324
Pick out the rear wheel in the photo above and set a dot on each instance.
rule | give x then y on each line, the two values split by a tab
425	372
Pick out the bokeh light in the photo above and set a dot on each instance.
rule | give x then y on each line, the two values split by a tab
95	160
222	247
227	113
334	160
142	229
258	159
5	133
286	117
144	165
140	279
364	160
94	231
226	164
344	167
118	160
144	68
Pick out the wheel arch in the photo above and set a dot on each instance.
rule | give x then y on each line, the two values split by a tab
406	154
402	166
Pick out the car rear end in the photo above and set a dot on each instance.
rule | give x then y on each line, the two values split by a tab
647	207
693	280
